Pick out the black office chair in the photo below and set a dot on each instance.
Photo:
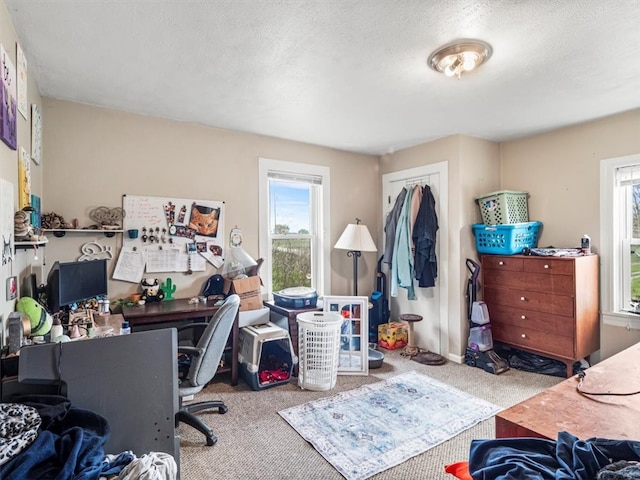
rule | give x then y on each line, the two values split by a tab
205	357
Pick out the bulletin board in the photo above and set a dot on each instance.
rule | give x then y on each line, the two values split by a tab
164	234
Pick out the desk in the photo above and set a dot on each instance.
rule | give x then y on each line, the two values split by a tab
561	407
291	315
174	313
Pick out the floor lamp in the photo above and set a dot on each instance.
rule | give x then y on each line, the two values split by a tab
356	239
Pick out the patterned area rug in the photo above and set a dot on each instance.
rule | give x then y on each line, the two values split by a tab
375	427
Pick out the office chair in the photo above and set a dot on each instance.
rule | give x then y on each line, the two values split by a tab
205	358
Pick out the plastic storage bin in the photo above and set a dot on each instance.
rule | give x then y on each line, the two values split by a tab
480	338
318	349
506	239
266	356
504	207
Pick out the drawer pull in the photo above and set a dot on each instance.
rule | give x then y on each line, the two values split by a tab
546	266
524	335
500	262
523	317
522	298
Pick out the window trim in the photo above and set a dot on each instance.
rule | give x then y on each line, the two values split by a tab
321	261
611	268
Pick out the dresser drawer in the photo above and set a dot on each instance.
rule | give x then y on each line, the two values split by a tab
523	318
502	262
529	300
537	282
548	266
533	339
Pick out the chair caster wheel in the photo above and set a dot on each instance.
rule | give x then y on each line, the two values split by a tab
223	409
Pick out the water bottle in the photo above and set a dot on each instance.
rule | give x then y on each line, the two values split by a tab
125	329
56	329
585	244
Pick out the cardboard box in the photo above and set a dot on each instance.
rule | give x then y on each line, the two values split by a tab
393	335
248	289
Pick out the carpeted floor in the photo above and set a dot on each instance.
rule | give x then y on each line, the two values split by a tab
254	442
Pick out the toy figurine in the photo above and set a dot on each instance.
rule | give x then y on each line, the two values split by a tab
151	291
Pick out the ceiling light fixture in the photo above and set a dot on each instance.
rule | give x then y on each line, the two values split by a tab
461	56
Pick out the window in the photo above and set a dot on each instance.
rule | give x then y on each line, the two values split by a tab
294	220
620	237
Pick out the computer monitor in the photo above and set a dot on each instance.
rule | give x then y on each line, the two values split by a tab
72	282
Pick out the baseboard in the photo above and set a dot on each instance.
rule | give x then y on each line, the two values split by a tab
455	358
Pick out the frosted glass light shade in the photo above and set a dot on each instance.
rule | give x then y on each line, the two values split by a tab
356	237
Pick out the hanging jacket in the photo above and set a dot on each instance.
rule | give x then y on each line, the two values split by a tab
402	262
390	227
424	239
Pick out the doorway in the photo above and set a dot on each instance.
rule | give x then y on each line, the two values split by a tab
432	333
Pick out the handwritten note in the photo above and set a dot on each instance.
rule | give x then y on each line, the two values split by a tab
130	266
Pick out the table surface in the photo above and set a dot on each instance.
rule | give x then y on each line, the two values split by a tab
562	407
176	309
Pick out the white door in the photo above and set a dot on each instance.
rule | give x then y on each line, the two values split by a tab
432	332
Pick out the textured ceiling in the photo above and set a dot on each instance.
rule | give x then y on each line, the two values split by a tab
348	74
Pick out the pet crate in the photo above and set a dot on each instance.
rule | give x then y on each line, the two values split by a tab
504	207
506	239
265	355
318	349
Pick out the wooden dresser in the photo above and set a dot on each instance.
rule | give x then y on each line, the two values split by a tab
544	305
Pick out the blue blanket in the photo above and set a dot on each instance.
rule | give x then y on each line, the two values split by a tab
568	458
69	446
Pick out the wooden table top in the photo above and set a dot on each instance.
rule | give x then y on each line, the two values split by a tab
562	407
168	310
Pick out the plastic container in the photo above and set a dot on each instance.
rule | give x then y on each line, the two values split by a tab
504	207
479	313
318	349
125	329
265	355
506	239
480	338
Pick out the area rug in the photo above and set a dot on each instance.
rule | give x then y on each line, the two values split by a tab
364	431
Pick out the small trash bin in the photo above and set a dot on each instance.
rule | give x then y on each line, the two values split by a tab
318	349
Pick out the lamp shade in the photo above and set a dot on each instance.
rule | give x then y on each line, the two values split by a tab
356	237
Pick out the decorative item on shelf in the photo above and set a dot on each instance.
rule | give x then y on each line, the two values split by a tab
169	288
107	218
22	228
55	221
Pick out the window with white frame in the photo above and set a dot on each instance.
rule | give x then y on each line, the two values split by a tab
294	225
620	237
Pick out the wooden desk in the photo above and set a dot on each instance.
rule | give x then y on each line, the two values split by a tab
561	407
174	313
291	315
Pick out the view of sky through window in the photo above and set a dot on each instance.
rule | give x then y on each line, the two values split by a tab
289	205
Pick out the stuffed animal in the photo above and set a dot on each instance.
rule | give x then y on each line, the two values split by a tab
151	291
39	318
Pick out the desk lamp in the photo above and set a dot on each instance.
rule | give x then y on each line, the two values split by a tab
356	239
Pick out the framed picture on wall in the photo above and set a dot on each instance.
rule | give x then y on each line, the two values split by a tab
8	100
36	134
12	288
21	60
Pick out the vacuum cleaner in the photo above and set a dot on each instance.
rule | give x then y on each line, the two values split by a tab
480	351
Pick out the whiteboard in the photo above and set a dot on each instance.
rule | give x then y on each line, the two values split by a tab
174	234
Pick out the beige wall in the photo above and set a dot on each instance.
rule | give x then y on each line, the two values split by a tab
9	162
561	172
95	155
